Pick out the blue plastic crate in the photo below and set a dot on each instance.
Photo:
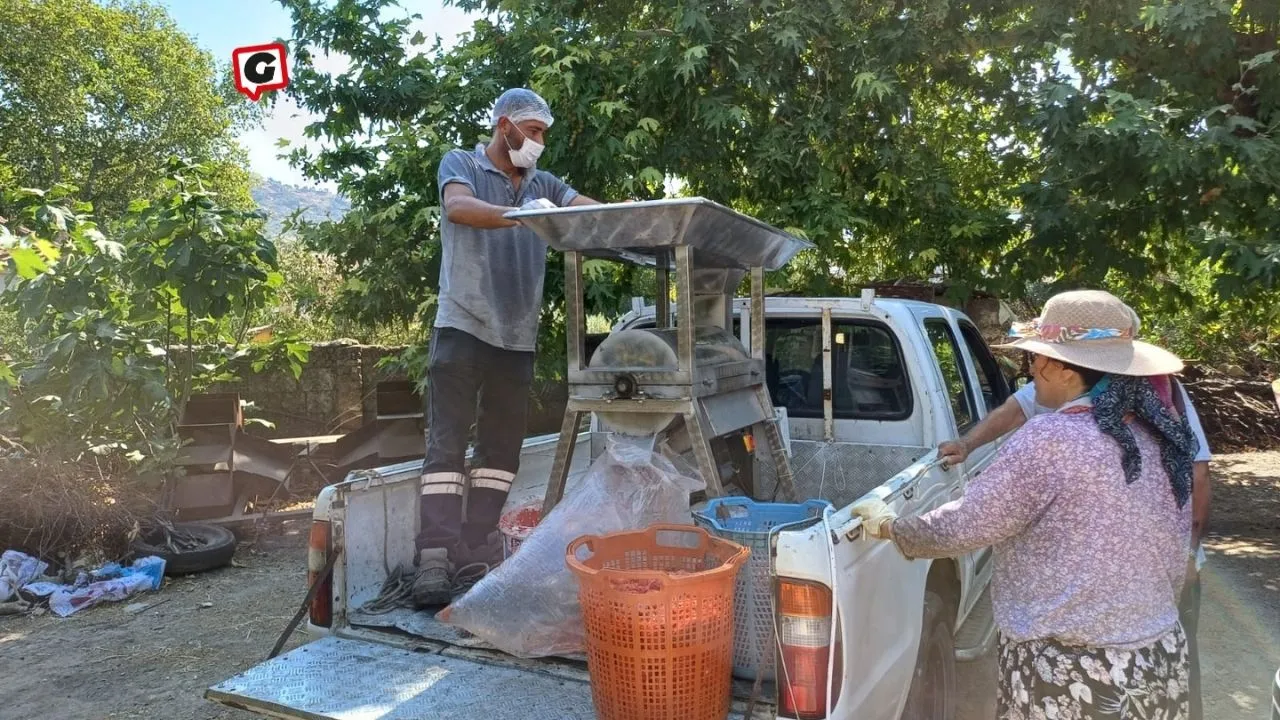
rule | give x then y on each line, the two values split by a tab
755	525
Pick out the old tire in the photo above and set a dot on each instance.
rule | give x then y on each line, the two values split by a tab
217	545
934	684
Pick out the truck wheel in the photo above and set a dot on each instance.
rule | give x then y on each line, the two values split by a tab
933	686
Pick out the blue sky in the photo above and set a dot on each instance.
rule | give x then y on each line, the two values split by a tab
222	25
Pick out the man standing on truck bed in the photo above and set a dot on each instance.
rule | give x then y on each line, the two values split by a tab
480	367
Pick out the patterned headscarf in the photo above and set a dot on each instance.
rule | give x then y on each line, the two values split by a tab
1115	397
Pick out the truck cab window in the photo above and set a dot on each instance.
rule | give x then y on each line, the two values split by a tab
954	373
868	376
995	389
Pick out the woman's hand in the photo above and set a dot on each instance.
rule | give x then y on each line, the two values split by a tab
877	517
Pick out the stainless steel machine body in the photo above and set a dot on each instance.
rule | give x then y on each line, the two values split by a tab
690	383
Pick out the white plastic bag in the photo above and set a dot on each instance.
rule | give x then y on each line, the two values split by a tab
16	570
528	606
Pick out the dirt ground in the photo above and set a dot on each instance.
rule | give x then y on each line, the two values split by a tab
107	663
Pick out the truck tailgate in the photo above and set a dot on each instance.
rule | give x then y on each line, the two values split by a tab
347	679
338	678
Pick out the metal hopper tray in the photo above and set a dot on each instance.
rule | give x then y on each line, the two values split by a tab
644	232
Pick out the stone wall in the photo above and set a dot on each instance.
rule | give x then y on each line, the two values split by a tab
334	394
982	308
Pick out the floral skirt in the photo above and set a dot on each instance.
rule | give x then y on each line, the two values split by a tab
1042	679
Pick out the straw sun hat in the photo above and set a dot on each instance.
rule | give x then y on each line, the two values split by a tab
1092	329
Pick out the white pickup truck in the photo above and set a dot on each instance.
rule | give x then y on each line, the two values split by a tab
902	377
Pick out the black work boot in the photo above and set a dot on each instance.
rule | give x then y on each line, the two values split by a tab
489	552
433	583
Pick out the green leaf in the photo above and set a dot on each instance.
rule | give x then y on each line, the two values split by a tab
596	269
47	250
6	374
869	85
27	262
636	138
110	248
651	176
609	108
53	215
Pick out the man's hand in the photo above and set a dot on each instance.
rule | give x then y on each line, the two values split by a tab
953	452
1004	419
877	517
539	204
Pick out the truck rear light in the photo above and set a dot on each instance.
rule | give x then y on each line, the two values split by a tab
318	548
804	633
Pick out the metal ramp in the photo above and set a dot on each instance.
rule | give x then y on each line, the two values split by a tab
347	679
337	679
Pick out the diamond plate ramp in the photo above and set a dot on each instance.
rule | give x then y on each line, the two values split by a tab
338	679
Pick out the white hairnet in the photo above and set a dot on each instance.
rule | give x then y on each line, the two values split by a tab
521	104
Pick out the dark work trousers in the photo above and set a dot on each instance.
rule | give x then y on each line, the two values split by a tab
1189	613
470	382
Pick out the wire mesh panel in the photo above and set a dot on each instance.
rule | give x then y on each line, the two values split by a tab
838	472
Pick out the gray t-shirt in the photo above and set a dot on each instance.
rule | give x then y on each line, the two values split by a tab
491	280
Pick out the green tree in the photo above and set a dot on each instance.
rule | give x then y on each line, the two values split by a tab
102	316
98	95
1000	143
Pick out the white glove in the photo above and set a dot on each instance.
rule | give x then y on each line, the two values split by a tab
876	516
539	204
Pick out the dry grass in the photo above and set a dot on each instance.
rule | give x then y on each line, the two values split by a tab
62	512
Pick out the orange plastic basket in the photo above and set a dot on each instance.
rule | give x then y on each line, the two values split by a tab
657	605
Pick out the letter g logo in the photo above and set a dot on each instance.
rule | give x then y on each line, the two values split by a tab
260	68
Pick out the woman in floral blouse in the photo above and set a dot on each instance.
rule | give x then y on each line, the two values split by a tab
1087	509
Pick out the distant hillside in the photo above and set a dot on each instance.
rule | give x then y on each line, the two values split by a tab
279	200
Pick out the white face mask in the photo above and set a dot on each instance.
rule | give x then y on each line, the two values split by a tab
527	155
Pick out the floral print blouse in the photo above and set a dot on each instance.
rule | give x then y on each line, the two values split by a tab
1081	556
